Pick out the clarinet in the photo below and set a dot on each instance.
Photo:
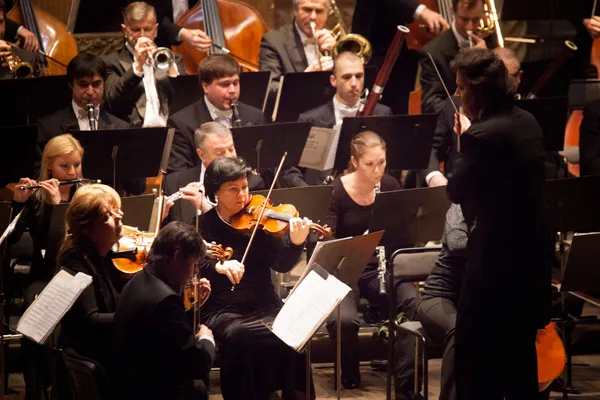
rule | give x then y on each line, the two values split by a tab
92	116
236	121
381	261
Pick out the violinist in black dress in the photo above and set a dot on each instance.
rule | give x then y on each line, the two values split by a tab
255	362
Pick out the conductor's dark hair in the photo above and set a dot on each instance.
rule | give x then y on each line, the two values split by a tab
85	65
223	170
3	8
217	66
467	3
175	236
485	76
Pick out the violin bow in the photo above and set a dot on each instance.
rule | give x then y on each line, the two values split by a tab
437	71
262	211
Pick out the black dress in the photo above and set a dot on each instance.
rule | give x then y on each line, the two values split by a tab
347	218
255	361
87	327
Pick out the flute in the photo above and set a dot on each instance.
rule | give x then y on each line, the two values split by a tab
61	183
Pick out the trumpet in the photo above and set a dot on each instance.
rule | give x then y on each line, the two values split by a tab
313	28
163	58
18	68
348	41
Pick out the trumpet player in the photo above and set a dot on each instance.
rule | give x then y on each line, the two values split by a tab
294	47
138	87
7	33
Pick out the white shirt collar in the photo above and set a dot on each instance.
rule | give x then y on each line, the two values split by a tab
302	35
83	122
342	111
462	42
216	112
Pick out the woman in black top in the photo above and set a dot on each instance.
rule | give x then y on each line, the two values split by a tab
349	212
255	361
94	222
61	161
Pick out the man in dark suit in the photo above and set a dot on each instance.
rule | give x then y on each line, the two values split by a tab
443	49
86	75
169	33
219	76
589	140
213	140
292	48
377	22
136	90
498	180
348	79
159	355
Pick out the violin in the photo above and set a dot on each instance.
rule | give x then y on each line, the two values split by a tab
191	292
275	220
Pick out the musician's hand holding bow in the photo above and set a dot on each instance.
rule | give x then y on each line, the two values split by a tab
204	331
233	269
461	124
204	289
299	230
593	26
196	38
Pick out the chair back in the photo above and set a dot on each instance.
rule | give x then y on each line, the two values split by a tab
87	380
414	264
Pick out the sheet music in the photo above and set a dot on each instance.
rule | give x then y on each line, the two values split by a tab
41	317
320	145
310	305
11	227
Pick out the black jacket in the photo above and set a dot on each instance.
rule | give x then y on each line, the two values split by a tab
124	91
185	211
158	355
187	120
281	51
324	117
498	181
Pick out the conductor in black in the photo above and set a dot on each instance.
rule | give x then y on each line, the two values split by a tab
498	181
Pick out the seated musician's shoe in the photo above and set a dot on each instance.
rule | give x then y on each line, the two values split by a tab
347	383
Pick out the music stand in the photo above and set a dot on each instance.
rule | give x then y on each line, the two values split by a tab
187	90
263	145
291	100
137	211
125	153
578	276
5	219
408	217
310	201
551	115
345	258
17	153
408	138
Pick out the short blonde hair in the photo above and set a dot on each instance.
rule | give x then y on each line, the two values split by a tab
56	147
89	204
137	11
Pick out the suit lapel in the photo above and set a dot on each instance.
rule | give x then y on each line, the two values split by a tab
126	61
295	49
70	123
104	122
328	118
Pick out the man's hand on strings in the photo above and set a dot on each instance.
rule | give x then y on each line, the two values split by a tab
477	41
593	26
196	38
204	331
434	21
299	230
232	269
204	290
28	39
461	124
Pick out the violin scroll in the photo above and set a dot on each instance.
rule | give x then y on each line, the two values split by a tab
216	252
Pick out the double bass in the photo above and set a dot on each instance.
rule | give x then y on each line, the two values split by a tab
57	46
231	24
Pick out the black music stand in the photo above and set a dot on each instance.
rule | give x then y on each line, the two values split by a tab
264	145
126	153
137	211
291	100
551	115
344	258
408	137
5	220
187	90
580	274
571	206
17	153
310	201
409	217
